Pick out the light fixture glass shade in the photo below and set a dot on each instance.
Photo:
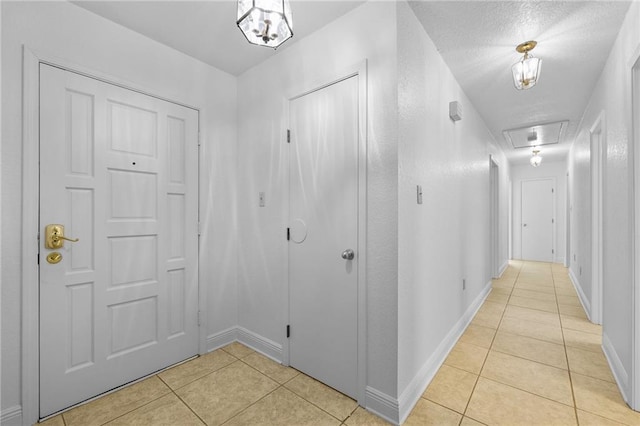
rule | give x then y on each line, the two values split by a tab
526	72
535	160
265	22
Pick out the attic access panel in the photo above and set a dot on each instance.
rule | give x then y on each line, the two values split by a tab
538	135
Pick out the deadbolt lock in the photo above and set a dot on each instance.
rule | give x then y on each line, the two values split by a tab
54	257
54	237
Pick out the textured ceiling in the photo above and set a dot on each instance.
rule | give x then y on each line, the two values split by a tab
477	40
207	30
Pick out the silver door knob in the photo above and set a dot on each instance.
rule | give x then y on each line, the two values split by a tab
348	254
524	224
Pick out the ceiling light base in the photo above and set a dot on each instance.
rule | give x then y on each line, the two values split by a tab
526	46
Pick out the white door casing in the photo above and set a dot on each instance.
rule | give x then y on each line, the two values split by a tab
116	170
635	170
494	227
538	219
323	214
597	144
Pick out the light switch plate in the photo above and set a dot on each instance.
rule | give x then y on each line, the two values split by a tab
419	193
261	198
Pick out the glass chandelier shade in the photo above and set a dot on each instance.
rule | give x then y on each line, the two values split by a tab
527	70
265	22
535	159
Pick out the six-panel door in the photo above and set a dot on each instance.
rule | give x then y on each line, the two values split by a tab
118	169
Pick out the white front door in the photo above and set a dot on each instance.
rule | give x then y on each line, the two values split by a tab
118	170
323	214
538	219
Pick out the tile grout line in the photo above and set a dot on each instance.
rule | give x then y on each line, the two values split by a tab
317	406
506	384
282	385
564	344
252	404
185	402
143	405
464	413
199	378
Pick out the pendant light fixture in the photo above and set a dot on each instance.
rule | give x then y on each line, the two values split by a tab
265	22
535	159
526	71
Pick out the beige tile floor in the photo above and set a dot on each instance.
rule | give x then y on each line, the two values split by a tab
529	357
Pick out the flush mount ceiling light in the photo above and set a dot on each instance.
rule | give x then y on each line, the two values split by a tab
526	71
535	159
265	22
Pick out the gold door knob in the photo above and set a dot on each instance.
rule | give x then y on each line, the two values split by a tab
54	237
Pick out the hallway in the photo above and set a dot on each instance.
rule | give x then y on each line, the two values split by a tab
529	357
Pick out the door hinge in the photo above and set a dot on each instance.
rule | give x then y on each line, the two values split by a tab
38	258
288	234
552	251
553	221
199	138
199	322
288	136
288	331
199	228
552	190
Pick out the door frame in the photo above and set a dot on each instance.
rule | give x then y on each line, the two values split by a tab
553	210
30	280
360	70
597	136
634	137
494	216
567	256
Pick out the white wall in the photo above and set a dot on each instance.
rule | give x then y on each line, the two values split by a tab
368	32
447	238
558	171
69	32
612	95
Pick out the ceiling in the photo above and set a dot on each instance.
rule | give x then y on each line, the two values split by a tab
207	30
477	40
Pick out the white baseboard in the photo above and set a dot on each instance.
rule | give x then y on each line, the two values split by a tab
586	304
411	394
619	373
11	416
260	344
222	338
382	405
256	342
503	268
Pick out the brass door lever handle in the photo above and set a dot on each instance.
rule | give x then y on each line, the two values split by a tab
62	237
54	237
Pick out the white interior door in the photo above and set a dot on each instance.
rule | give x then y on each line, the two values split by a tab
323	214
118	170
538	219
